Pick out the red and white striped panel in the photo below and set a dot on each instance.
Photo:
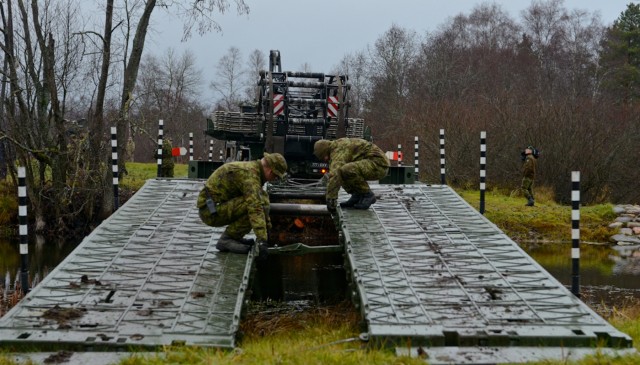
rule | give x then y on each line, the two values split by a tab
278	104
332	106
394	155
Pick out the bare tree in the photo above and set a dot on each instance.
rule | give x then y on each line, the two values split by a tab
355	66
42	61
305	67
257	62
167	89
228	82
545	23
390	60
195	14
49	65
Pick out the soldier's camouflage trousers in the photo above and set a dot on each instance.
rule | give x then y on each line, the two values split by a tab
527	187
353	176
234	214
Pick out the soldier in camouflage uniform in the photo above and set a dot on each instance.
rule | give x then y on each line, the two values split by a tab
167	159
528	174
238	200
352	161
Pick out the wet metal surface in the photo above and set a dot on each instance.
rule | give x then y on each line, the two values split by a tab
429	270
148	276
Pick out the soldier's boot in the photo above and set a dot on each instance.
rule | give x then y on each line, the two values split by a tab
353	200
227	244
530	202
247	241
365	202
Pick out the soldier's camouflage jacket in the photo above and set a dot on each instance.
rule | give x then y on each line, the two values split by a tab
241	179
529	167
346	150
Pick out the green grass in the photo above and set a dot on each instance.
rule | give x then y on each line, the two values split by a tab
546	221
272	335
139	173
319	345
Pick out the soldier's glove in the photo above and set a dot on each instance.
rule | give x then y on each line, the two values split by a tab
324	181
331	205
263	250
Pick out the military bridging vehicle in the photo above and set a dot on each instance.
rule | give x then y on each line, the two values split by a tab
293	110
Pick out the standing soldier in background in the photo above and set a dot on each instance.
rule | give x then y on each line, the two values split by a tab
352	161
529	156
167	159
233	196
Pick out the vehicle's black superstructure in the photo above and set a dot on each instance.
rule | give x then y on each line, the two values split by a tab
293	111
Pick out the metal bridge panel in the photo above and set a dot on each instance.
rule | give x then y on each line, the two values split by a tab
148	276
430	267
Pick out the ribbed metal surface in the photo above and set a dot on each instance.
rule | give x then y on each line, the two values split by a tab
250	125
152	277
429	268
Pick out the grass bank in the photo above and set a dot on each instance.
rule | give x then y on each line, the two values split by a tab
546	227
139	173
547	221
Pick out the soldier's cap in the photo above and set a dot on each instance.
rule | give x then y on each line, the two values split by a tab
322	149
277	163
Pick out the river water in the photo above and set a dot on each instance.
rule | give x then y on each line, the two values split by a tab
43	257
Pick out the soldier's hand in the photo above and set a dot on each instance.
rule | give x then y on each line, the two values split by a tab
331	205
324	181
263	250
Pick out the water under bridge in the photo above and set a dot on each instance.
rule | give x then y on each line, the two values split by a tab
427	271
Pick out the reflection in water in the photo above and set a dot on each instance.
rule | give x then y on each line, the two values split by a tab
43	256
627	261
599	265
608	277
312	279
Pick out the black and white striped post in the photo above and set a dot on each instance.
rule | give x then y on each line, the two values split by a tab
442	170
160	135
210	150
221	155
190	146
483	168
22	220
114	169
416	164
399	154
575	233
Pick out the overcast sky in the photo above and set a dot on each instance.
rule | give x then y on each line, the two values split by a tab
321	32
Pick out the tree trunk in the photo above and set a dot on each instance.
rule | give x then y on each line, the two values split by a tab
97	133
50	101
130	78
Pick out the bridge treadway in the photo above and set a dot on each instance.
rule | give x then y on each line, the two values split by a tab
429	270
148	276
